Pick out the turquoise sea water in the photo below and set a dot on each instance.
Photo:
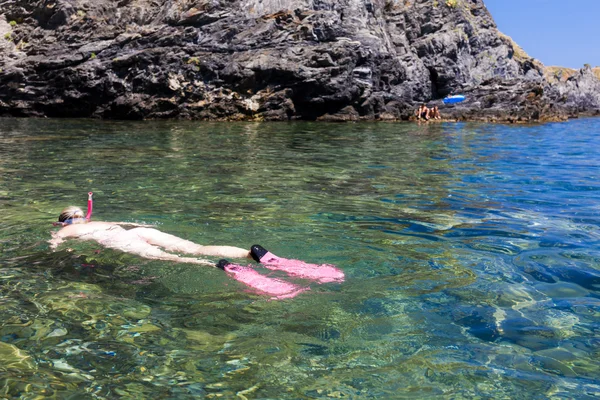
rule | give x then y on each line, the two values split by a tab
470	250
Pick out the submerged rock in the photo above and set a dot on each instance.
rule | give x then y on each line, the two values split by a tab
14	358
326	60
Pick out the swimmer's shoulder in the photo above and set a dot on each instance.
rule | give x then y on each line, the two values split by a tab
87	227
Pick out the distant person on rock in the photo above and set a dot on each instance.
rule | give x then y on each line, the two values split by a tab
435	113
423	113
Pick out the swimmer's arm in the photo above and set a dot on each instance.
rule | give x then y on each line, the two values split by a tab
57	239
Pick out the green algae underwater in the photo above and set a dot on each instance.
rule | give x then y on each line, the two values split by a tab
470	253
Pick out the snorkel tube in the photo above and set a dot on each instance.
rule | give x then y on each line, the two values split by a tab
88	216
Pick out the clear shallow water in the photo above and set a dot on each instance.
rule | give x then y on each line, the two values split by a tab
471	255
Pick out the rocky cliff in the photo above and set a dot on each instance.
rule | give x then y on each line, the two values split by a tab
272	60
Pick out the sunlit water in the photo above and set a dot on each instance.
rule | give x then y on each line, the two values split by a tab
470	250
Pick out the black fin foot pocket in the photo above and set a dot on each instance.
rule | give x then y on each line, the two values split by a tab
222	264
257	252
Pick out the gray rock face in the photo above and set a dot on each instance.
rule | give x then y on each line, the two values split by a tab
271	60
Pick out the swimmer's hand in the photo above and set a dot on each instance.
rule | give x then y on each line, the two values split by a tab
55	241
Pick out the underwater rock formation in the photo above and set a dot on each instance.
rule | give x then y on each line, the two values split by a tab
337	60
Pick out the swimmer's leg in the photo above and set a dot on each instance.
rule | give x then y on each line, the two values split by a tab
146	250
177	244
157	254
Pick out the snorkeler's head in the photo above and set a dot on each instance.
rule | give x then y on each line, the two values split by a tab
70	213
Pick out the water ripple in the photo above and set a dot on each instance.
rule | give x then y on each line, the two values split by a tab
470	252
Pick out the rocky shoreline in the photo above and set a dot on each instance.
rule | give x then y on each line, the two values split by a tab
274	60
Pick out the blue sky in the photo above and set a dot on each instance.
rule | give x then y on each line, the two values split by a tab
556	32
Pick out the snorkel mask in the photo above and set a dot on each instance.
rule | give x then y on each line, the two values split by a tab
71	221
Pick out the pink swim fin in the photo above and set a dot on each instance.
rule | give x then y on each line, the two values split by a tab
265	285
323	273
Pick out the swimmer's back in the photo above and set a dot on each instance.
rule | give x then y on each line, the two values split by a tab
87	228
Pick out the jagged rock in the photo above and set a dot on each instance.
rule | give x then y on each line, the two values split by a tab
334	60
579	93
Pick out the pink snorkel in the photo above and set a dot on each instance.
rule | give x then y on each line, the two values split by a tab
88	216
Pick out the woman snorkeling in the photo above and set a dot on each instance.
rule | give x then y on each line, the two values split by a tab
153	244
141	240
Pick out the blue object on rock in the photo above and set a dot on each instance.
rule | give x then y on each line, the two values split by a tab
457	98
